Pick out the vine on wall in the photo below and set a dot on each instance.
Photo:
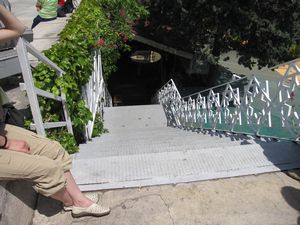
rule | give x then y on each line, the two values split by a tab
104	24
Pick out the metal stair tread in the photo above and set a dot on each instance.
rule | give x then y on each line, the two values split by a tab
141	148
133	117
190	165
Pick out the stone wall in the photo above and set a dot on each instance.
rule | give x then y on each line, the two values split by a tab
17	203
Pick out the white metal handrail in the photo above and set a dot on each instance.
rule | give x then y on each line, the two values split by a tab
23	48
95	93
235	107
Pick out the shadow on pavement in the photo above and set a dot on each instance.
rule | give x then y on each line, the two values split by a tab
48	206
292	197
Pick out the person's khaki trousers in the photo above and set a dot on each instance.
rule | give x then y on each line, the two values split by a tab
45	165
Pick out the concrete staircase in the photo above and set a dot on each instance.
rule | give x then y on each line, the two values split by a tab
140	150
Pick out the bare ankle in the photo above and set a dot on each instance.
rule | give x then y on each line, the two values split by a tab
85	202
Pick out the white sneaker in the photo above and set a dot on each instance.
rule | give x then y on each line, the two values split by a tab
93	196
93	210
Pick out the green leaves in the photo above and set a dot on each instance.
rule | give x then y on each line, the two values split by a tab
80	114
64	138
98	126
74	54
266	30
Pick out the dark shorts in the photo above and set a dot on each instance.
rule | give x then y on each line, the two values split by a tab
39	19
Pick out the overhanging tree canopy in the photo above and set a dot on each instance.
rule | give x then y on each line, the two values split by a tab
266	30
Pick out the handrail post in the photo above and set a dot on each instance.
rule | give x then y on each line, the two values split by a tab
29	83
94	91
65	109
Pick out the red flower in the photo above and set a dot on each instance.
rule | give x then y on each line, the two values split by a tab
125	38
100	42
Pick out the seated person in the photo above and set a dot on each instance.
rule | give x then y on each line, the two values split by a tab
28	156
47	10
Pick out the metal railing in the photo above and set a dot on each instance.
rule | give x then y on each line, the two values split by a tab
23	48
244	105
95	94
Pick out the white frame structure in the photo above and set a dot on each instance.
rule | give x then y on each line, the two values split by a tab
23	48
95	93
249	109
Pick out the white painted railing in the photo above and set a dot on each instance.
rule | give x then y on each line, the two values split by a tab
96	94
23	49
245	105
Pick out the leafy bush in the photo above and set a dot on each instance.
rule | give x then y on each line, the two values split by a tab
96	24
98	126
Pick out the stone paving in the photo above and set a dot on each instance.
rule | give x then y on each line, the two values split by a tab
267	199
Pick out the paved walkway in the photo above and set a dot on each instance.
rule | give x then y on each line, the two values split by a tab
267	199
46	33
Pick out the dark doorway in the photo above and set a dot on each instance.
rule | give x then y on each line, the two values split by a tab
135	83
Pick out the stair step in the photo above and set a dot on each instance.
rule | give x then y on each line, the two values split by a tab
133	117
133	148
184	166
162	133
141	150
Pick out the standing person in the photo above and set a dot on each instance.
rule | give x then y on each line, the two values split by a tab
28	156
47	10
61	4
60	8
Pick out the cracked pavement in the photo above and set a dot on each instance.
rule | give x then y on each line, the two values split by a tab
266	199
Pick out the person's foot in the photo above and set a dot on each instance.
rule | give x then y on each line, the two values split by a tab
93	210
93	196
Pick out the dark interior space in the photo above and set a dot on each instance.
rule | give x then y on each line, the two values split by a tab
135	83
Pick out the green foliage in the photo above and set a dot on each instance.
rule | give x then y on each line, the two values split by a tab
64	138
294	51
267	30
96	24
98	126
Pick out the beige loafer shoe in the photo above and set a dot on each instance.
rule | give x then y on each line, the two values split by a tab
93	196
93	210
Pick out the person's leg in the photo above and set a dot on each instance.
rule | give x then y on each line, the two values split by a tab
47	176
79	199
48	165
41	146
63	196
39	19
36	21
